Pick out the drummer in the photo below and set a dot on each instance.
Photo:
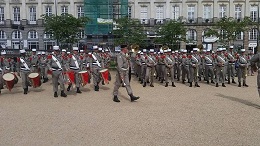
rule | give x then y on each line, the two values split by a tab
23	69
43	67
34	61
6	63
74	64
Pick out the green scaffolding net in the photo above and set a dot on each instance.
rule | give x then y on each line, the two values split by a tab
102	13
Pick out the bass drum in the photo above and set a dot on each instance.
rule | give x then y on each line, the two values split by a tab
35	79
9	80
15	78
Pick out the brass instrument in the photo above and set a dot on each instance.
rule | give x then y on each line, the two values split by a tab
135	48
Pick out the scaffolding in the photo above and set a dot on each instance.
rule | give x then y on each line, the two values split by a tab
102	13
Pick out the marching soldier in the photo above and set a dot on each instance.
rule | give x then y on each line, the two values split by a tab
161	65
34	61
194	67
231	65
150	70
6	63
185	66
242	69
96	64
122	75
143	65
74	64
220	67
209	67
250	70
138	65
178	64
24	69
56	63
43	67
169	62
255	64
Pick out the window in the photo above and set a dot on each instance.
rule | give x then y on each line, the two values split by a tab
222	11
80	11
2	14
33	45
16	12
16	35
47	36
159	14
32	13
2	35
191	12
144	14
191	35
240	36
253	13
32	35
129	12
253	34
238	12
48	11
81	34
175	12
64	10
207	12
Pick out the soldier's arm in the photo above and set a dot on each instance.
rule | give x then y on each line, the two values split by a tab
120	68
254	59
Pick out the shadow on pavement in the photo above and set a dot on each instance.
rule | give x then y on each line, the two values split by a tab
245	102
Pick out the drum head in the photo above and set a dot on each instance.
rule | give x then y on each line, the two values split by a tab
8	77
33	75
103	70
82	72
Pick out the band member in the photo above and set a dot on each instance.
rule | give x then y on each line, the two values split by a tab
122	75
194	67
185	66
169	68
24	69
7	63
150	70
55	63
34	61
250	70
96	64
74	64
209	67
220	67
231	64
255	64
43	67
242	69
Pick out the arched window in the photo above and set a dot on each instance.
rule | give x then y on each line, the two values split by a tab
2	35
240	36
32	34
253	34
17	35
47	36
191	35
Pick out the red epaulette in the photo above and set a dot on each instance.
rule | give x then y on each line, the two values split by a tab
18	59
183	56
190	56
49	57
81	57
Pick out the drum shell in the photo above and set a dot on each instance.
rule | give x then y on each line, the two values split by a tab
35	80
9	82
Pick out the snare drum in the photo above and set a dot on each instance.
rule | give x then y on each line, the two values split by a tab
35	79
15	78
71	76
84	77
105	75
9	80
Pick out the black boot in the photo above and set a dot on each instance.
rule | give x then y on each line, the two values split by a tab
244	84
55	94
96	88
78	91
25	90
233	81
68	89
197	85
183	81
115	99
103	83
62	94
141	82
161	80
228	81
166	84
212	82
178	79
216	84
223	85
45	80
199	78
151	85
190	84
173	84
133	98
239	84
207	81
144	84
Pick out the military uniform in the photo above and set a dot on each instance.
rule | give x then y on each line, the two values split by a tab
185	67
242	68
194	69
24	69
169	62
56	63
255	64
150	70
143	67
209	67
43	67
231	66
220	62
74	63
34	61
122	76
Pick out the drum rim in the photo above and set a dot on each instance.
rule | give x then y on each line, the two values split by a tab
34	73
103	70
10	75
83	71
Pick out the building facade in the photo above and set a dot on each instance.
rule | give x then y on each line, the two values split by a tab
197	16
27	14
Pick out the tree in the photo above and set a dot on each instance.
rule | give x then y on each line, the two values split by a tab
171	34
64	28
227	29
129	31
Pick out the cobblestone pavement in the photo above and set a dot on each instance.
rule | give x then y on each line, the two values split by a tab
162	116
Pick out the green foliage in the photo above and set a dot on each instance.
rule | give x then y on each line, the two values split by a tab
129	31
230	27
171	33
65	28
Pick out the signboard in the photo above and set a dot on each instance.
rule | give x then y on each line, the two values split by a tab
104	21
252	45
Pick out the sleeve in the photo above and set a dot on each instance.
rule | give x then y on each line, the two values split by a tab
119	60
